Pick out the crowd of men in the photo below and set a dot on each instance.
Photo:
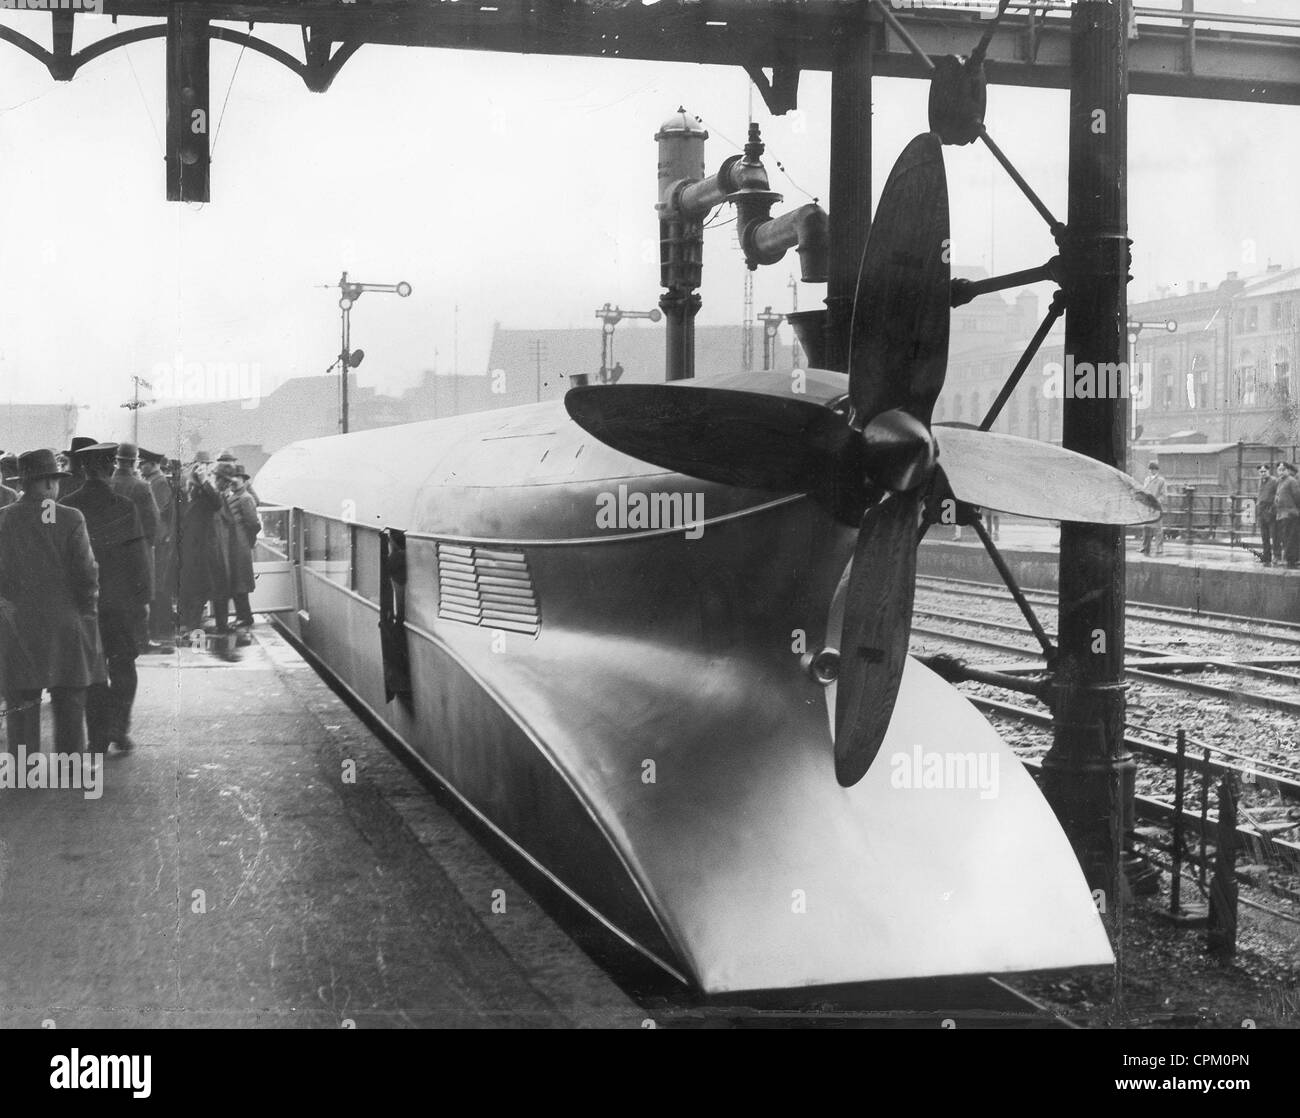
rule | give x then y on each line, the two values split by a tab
108	552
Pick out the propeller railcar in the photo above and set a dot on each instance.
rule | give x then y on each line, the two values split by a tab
656	639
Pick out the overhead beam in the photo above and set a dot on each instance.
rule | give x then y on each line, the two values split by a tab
1166	59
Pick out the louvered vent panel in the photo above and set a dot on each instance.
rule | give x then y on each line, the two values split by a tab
488	587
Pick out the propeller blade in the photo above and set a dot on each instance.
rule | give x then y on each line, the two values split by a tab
1029	478
877	624
738	438
899	347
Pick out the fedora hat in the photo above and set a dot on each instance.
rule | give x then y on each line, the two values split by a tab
127	452
34	465
80	443
202	457
225	469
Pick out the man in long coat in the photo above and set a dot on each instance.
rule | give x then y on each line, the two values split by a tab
162	610
127	483
205	551
121	550
49	637
247	526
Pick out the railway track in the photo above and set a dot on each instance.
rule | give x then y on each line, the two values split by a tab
1278	779
1155	671
1282	632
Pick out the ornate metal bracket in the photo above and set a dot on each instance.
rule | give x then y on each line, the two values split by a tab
317	72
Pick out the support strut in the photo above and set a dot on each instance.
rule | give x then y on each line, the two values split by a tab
1087	774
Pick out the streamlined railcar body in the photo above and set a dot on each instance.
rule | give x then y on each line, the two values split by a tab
605	665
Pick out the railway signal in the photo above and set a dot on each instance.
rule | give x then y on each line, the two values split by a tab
349	292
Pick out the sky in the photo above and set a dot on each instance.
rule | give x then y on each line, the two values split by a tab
517	189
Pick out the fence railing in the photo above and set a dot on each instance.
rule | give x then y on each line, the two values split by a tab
1212	518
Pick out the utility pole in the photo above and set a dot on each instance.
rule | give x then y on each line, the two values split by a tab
747	316
796	355
537	347
1088	774
134	405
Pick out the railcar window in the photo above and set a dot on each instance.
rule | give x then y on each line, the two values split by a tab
366	563
327	548
273	540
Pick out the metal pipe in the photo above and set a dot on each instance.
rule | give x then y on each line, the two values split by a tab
698	199
766	240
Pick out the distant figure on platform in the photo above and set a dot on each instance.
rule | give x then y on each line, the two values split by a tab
1155	486
1286	502
162	610
49	638
122	552
247	525
1266	512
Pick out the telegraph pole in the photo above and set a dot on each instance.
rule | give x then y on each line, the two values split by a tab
538	349
1088	773
134	405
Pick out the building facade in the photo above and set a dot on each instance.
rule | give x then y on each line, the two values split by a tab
1224	375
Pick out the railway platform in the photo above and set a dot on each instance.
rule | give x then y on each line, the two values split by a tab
1200	577
261	859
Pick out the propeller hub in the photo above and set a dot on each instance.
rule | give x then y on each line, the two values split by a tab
900	451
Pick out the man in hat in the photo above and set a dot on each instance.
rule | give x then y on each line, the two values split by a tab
73	482
162	610
127	483
247	526
204	547
121	549
49	638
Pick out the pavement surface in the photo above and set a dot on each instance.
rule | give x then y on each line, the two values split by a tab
232	874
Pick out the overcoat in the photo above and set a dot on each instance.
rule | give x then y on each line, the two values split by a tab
118	544
244	534
205	529
49	635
